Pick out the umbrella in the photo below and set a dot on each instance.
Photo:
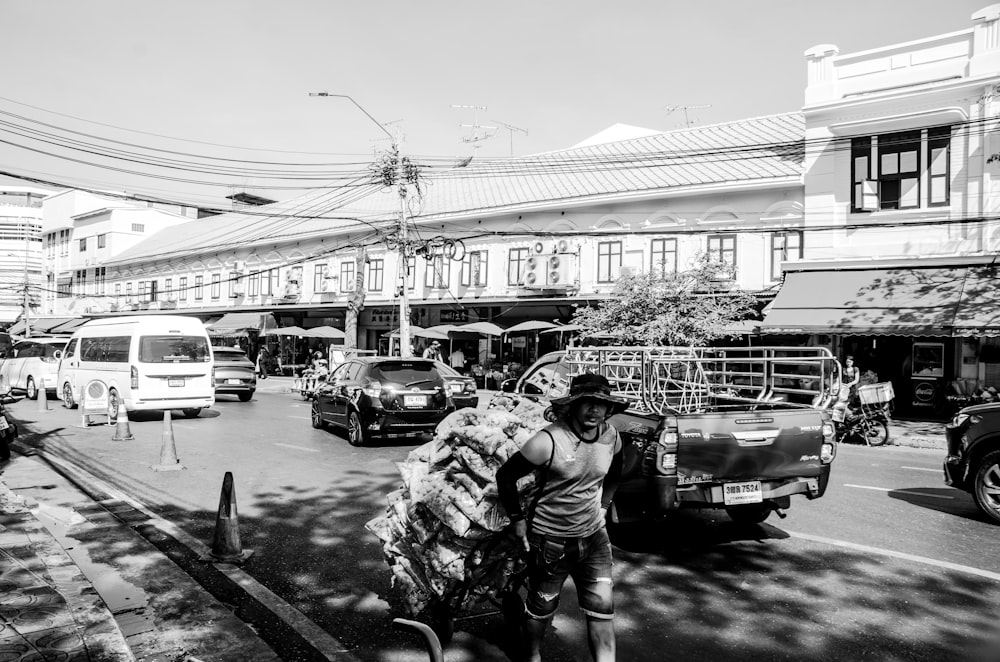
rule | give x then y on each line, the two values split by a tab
324	332
439	332
564	328
414	330
485	328
286	331
530	325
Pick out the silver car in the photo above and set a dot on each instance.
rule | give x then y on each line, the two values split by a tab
31	364
235	373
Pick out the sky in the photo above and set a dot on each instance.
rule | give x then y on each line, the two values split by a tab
227	83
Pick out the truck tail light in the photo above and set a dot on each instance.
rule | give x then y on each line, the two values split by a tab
827	452
134	377
666	451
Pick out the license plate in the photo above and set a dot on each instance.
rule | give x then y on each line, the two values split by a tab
414	400
735	494
456	388
234	381
175	381
3	423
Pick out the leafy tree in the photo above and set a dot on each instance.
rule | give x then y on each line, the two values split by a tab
691	307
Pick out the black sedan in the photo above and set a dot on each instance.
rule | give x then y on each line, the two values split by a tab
973	461
383	397
462	387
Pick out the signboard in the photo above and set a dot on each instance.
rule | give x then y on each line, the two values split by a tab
95	401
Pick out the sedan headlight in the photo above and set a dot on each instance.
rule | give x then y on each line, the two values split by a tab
958	420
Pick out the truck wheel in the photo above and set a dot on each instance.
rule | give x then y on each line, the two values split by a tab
986	485
753	513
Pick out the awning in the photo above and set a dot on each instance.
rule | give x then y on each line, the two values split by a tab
70	326
907	301
234	324
324	332
286	331
979	309
39	325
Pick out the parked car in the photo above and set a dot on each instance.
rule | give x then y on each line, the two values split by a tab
461	387
382	397
973	460
235	373
32	364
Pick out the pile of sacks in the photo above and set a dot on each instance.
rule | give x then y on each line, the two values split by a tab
441	534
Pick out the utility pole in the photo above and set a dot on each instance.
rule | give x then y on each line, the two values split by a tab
687	122
400	175
510	130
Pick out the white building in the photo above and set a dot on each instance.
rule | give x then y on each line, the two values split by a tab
20	250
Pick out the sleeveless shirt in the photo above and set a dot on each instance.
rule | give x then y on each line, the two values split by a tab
570	501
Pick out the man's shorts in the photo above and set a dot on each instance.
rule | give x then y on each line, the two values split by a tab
587	560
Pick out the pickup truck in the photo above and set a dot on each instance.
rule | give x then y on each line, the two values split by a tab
743	428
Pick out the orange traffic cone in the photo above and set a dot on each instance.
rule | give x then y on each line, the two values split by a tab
122	430
226	545
168	451
43	399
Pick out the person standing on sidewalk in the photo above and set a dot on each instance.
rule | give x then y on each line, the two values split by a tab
262	357
578	463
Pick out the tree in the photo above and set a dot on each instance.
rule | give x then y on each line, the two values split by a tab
683	308
357	301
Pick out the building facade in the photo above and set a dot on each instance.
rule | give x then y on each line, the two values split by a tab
20	250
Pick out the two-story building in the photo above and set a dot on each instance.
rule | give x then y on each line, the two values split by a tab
901	210
20	250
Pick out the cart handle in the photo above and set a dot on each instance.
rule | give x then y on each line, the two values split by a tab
430	639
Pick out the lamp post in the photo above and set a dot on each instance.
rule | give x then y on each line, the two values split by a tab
404	298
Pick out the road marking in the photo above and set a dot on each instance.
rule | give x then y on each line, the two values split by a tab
887	489
935	470
304	418
300	448
898	555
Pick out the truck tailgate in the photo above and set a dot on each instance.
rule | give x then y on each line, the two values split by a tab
742	445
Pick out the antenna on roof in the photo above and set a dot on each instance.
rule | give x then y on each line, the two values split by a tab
475	135
511	129
687	123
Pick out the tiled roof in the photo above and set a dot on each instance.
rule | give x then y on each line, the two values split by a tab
753	150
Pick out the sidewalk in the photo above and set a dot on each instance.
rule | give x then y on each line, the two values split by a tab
78	583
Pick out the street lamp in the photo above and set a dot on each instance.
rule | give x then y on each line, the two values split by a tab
404	299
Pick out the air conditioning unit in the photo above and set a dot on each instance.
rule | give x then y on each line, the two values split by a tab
238	290
240	266
538	248
549	271
628	271
562	246
291	292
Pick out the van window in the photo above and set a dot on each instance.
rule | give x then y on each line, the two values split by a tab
48	350
108	349
174	349
71	348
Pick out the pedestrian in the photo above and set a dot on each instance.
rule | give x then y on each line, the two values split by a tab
457	360
577	460
849	379
433	351
262	357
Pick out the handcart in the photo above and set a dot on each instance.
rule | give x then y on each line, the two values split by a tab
306	386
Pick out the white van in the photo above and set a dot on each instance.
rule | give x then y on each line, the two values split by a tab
148	362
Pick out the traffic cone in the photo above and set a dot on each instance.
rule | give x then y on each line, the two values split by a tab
226	545
122	430
43	399
168	451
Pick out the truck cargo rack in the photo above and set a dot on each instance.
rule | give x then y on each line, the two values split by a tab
683	380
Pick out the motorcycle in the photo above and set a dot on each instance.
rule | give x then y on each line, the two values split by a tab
868	424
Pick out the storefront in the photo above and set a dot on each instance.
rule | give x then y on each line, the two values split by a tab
929	329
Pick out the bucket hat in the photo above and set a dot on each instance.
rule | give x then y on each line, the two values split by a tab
594	387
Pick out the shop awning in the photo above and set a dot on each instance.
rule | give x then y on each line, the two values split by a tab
979	309
39	325
70	326
234	324
905	301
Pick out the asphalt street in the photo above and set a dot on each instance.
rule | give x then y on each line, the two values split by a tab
889	565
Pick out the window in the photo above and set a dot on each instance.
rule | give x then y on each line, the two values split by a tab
938	166
102	240
517	258
784	246
83	244
168	289
376	272
142	290
253	283
347	276
100	277
319	275
128	292
722	249
887	171
199	288
269	282
118	290
663	256
609	261
138	227
216	286
108	349
235	284
474	269
438	274
182	289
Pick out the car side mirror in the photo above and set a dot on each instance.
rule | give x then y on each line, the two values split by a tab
57	355
508	385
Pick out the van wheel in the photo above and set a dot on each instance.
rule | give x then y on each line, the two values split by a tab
67	396
192	412
30	389
114	402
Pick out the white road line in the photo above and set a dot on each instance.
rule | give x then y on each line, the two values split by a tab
899	555
299	448
887	489
937	470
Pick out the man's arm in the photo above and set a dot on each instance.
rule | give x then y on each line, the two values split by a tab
535	452
613	477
